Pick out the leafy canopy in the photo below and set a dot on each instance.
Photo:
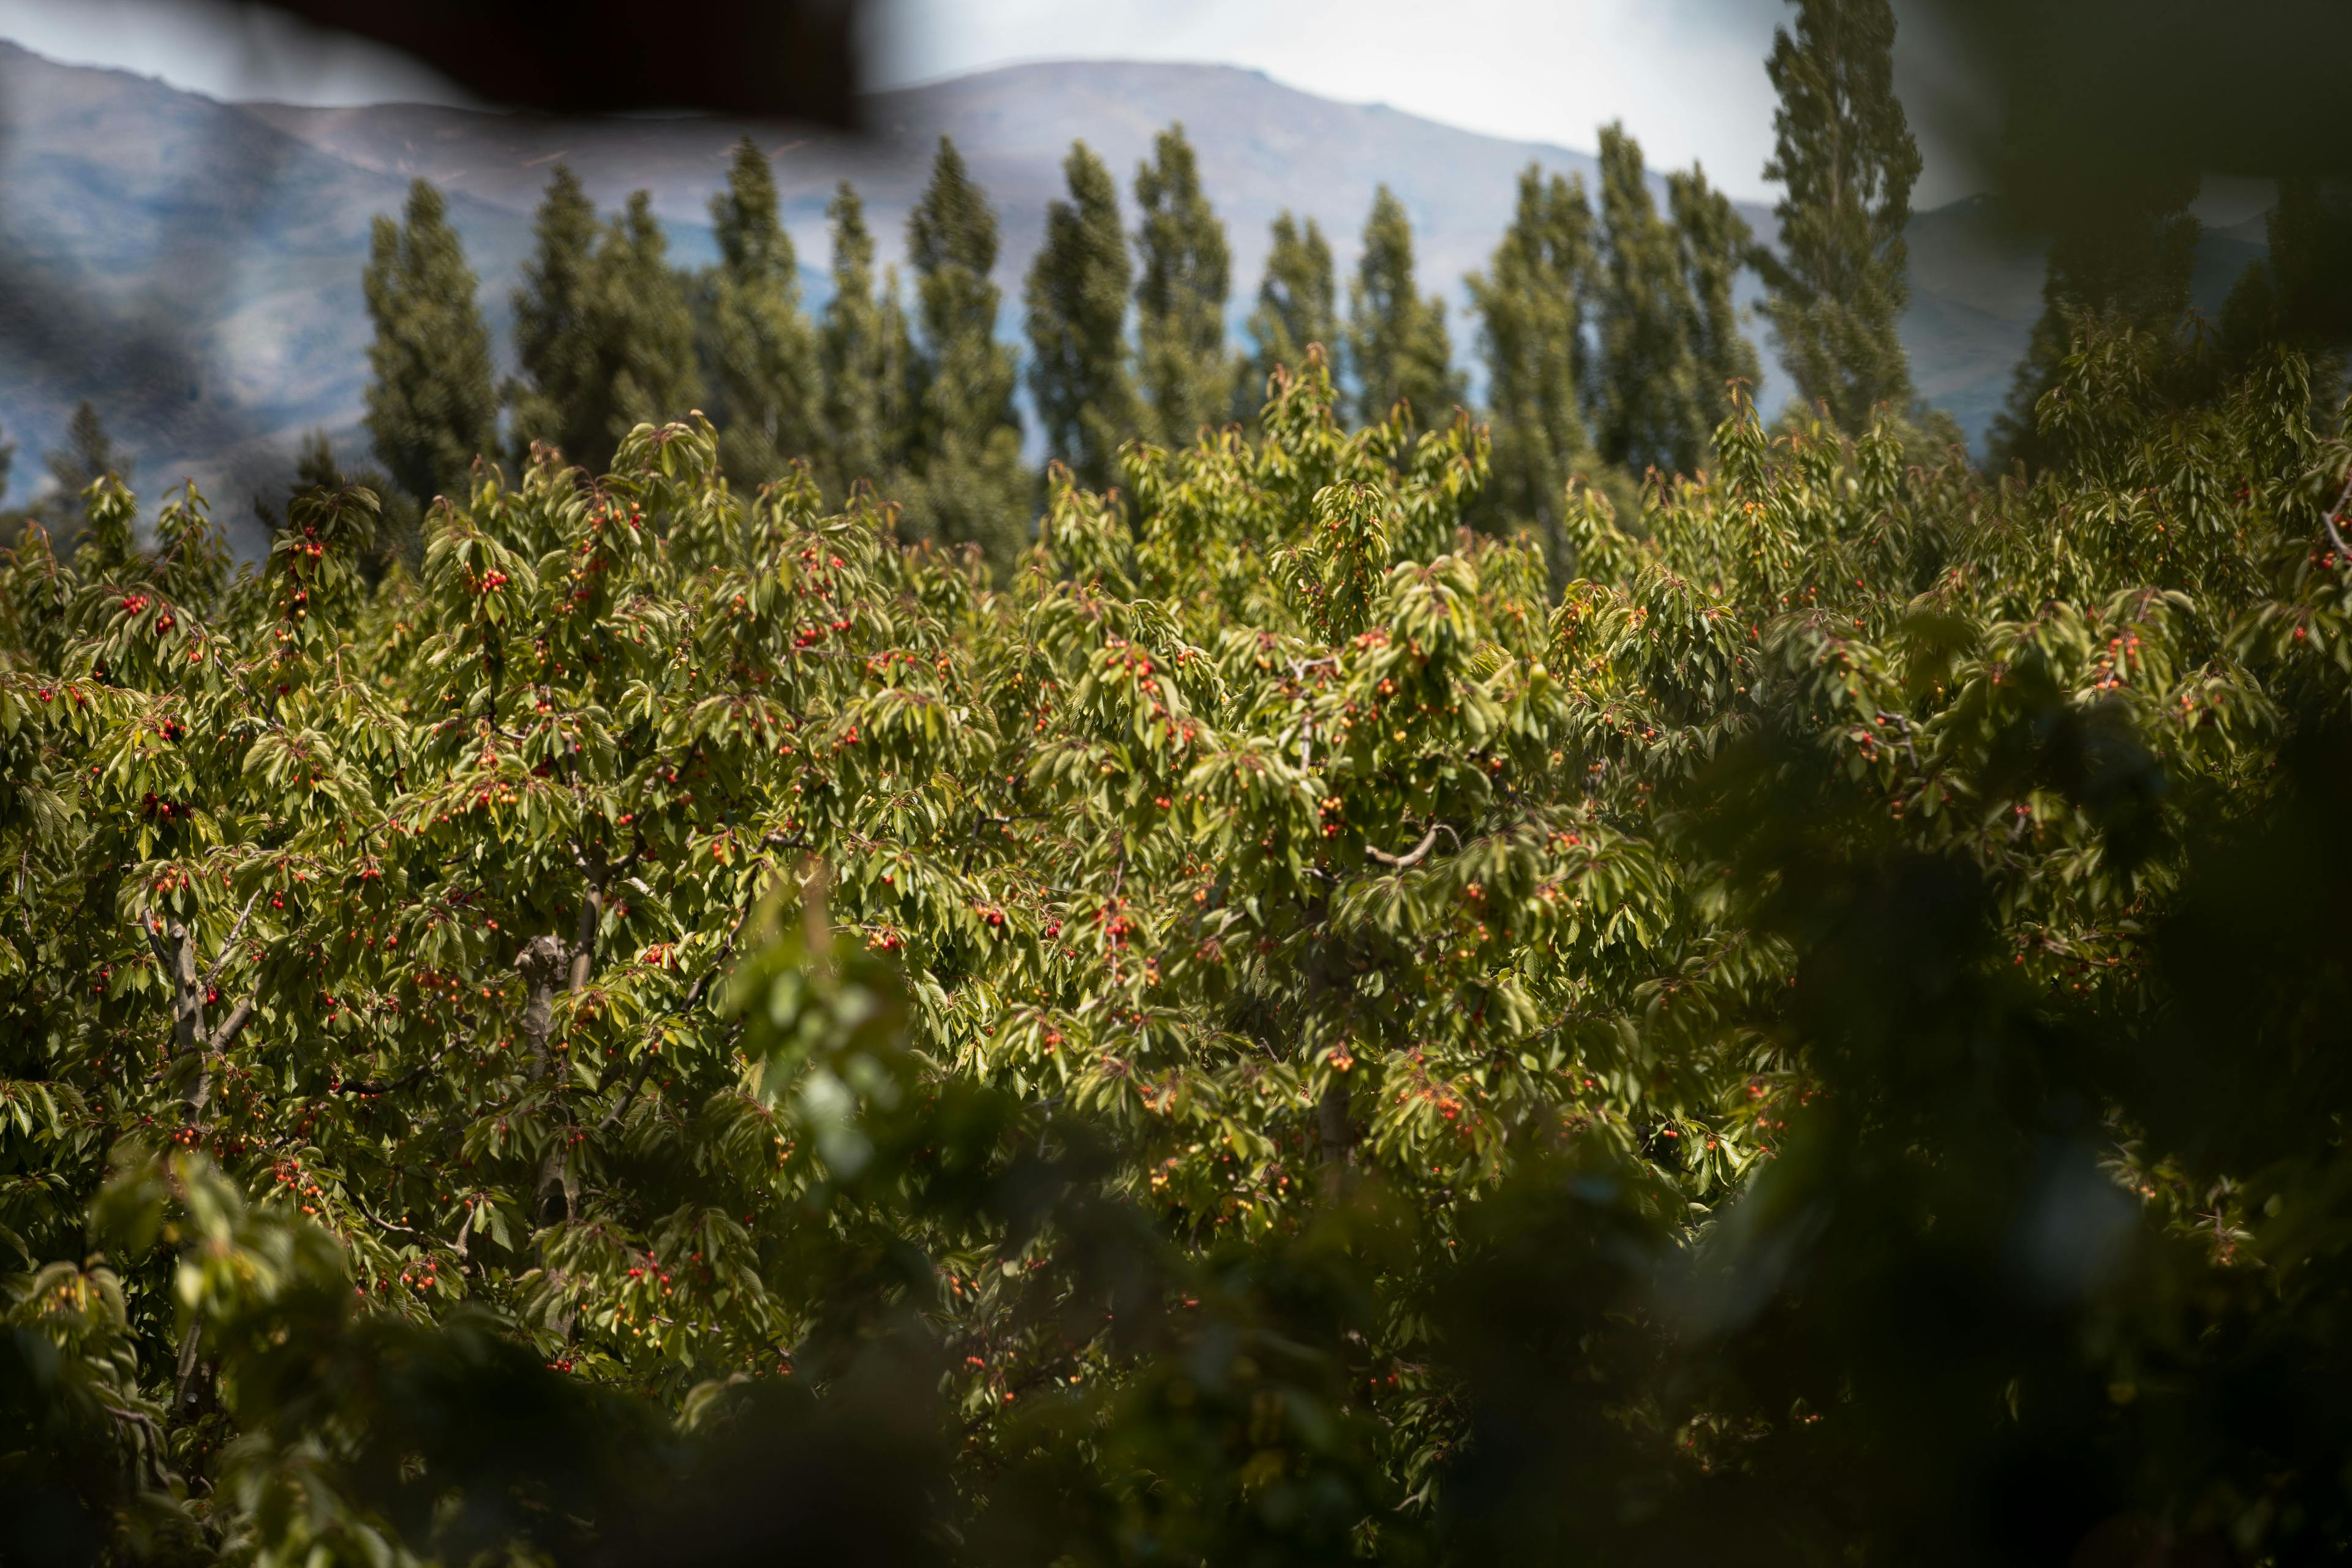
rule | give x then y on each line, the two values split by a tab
1259	1035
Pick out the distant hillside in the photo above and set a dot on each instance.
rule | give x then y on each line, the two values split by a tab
194	268
191	271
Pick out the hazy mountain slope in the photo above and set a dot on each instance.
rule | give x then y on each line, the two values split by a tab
189	270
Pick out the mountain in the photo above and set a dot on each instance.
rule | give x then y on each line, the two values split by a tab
193	266
186	267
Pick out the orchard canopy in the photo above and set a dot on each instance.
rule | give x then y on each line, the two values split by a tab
1282	1028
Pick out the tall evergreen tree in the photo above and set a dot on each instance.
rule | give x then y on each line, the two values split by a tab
87	454
2121	259
2298	294
969	486
764	355
1397	346
2309	233
1530	305
642	323
604	328
430	405
561	396
315	467
1297	304
1076	305
1183	284
1716	243
1647	409
1845	155
868	359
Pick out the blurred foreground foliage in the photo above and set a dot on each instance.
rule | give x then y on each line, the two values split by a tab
686	1030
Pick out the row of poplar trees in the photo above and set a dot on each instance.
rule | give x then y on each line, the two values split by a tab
1607	325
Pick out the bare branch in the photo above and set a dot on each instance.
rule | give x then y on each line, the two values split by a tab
1415	856
387	1086
233	1025
2343	551
228	943
360	1203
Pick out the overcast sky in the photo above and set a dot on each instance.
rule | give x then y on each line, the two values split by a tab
1687	76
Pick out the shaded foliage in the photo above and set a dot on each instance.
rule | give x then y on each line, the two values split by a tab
688	1026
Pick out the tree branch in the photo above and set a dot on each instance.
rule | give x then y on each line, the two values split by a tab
387	1086
1415	856
369	1215
228	944
233	1025
2343	551
154	937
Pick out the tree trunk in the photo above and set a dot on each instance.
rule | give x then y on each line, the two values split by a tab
175	954
542	962
1337	1135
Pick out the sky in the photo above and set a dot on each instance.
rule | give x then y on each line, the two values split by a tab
1687	76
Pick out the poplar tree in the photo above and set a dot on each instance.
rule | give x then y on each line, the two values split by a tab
642	323
1076	298
1716	243
867	358
1183	283
560	397
1647	411
1530	304
2295	294
1397	346
1297	304
763	352
968	486
2121	259
2309	232
1844	154
88	453
430	405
